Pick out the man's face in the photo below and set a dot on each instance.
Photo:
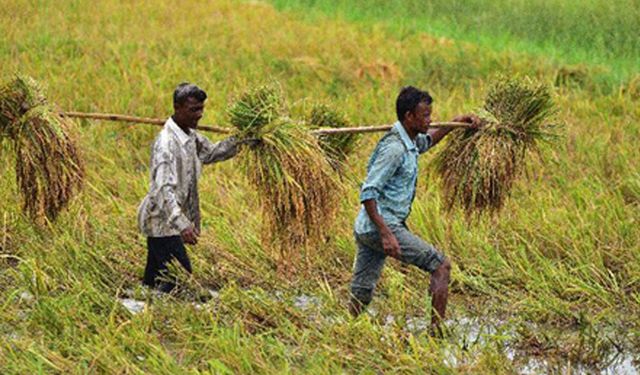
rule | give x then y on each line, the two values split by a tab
189	113
420	118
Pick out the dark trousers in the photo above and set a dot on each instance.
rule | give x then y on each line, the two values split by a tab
160	251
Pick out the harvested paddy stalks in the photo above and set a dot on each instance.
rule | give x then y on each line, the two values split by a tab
257	108
49	170
296	185
336	147
479	167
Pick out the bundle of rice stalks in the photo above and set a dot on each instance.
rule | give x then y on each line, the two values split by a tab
49	170
295	183
478	167
336	148
257	108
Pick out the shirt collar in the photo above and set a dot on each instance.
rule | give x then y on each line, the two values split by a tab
182	136
408	143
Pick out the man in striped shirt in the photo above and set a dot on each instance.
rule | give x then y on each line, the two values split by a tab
169	214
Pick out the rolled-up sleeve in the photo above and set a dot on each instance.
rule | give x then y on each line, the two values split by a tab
423	142
383	166
209	152
166	181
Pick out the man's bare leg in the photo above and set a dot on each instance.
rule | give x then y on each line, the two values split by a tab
439	289
355	307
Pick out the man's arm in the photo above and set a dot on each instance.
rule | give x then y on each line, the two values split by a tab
388	160
166	181
389	241
438	133
209	152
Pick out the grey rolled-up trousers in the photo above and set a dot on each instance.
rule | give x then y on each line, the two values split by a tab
370	259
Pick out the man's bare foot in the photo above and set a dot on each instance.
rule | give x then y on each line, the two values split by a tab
436	331
355	307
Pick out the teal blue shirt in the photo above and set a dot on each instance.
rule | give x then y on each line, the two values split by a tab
392	175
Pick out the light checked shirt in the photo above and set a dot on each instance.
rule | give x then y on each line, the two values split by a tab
172	203
392	175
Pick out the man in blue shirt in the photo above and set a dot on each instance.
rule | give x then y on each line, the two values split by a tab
387	194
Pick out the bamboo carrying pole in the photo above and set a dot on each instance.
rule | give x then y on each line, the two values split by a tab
219	129
381	128
134	119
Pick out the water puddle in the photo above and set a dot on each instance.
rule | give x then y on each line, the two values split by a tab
132	305
27	297
304	302
214	294
472	332
466	337
620	364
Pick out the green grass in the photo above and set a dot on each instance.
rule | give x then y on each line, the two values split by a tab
593	33
558	270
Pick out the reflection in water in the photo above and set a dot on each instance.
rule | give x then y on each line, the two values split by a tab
472	332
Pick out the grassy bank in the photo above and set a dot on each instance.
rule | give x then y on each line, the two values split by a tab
555	277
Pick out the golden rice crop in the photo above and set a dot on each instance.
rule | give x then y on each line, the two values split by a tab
49	170
479	166
296	185
335	147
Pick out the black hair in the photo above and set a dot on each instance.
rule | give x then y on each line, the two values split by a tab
187	90
408	100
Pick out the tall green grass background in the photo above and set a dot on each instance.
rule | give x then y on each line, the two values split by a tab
592	32
559	269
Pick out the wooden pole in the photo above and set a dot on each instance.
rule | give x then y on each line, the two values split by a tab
219	129
381	128
137	120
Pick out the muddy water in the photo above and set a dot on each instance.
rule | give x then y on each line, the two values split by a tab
466	334
620	360
470	333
